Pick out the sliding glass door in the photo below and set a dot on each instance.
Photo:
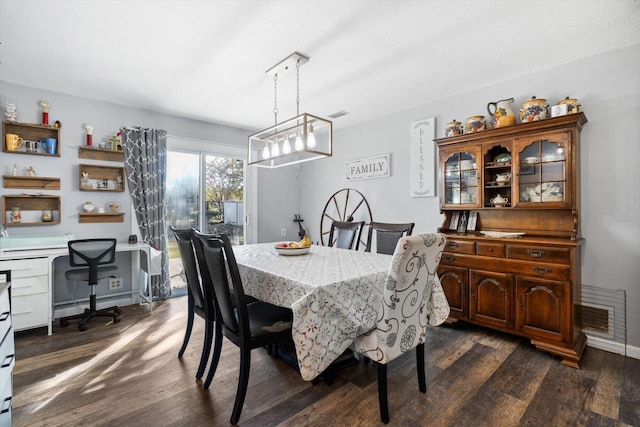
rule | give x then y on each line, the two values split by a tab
205	190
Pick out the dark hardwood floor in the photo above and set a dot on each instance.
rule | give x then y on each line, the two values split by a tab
129	374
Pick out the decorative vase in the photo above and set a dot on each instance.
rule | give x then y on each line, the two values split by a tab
47	215
88	207
453	128
475	124
533	110
502	115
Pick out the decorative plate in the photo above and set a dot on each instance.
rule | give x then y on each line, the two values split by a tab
500	234
292	251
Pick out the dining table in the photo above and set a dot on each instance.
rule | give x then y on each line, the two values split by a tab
335	295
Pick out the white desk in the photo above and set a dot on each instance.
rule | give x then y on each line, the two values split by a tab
33	281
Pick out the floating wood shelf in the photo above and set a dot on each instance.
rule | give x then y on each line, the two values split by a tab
31	132
29	203
101	217
101	173
100	154
31	182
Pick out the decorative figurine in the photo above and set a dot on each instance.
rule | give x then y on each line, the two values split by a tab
15	170
119	179
84	182
16	214
89	135
32	171
45	112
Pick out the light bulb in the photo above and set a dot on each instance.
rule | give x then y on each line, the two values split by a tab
311	137
275	149
286	146
298	145
265	151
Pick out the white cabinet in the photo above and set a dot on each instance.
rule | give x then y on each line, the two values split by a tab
7	356
30	302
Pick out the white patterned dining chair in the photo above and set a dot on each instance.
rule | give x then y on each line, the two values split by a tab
404	313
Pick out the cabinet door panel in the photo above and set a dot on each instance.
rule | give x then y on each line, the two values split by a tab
491	296
544	309
454	282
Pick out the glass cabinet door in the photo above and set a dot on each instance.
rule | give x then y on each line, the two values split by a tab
542	170
461	178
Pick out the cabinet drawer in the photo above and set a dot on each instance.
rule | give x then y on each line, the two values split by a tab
541	270
541	253
29	286
28	267
30	311
491	249
7	362
5	314
460	246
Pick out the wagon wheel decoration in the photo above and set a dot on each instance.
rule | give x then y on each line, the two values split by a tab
345	205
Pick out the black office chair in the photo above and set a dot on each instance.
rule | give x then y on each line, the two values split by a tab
97	256
197	303
249	326
387	236
345	234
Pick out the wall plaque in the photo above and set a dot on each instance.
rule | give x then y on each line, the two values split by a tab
422	170
371	167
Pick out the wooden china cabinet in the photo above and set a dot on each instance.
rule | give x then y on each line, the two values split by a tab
518	271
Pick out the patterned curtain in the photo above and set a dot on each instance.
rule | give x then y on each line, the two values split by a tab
145	162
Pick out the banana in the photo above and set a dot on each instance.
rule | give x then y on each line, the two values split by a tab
305	242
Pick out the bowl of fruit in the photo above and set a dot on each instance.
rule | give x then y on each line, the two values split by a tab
293	248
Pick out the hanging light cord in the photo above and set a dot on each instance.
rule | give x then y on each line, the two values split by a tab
275	97
298	87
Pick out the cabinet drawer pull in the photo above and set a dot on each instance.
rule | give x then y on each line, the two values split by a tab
4	316
7	360
453	245
536	253
6	405
541	270
449	258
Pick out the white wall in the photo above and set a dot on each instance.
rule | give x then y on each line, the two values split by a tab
607	86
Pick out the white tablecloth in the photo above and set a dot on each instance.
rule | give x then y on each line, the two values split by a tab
334	294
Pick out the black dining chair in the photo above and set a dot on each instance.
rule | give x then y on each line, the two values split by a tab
403	316
97	257
197	303
387	236
248	326
344	234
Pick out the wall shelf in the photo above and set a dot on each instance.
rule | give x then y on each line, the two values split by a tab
97	174
31	182
94	153
31	207
31	132
101	217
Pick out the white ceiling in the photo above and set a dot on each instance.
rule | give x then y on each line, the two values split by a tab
206	60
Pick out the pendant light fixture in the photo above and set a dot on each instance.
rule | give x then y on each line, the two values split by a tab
312	136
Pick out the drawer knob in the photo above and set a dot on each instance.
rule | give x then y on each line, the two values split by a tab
490	249
541	270
536	253
453	245
449	258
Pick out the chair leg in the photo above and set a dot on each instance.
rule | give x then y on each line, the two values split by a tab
422	382
215	358
243	382
382	392
187	333
206	348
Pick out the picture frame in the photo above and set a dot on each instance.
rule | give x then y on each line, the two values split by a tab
473	220
527	169
453	223
462	222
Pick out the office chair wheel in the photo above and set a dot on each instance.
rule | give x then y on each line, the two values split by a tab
64	323
345	205
117	310
82	327
116	319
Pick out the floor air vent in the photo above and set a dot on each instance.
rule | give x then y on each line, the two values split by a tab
604	313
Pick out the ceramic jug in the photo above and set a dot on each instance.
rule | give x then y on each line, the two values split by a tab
502	113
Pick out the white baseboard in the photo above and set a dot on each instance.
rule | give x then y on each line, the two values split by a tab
613	347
